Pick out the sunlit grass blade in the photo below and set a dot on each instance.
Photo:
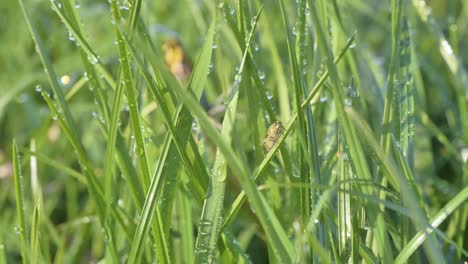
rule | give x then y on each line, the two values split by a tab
389	119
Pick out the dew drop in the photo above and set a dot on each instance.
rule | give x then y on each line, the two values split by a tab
253	21
261	75
348	102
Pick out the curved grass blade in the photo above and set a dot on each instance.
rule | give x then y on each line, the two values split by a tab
55	164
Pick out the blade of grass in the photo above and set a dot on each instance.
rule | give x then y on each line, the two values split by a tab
19	196
275	233
122	156
35	229
233	252
416	203
55	164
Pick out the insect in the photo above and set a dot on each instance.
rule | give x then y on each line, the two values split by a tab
176	59
274	132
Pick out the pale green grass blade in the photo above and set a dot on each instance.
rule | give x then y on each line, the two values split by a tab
232	253
55	164
123	159
129	85
299	89
389	119
312	177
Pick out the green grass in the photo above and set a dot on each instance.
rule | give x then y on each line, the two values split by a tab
124	164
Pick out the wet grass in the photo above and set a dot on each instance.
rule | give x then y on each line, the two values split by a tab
109	154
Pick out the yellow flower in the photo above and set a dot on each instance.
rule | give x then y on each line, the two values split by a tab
176	60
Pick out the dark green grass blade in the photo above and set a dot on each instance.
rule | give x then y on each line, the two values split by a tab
20	210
